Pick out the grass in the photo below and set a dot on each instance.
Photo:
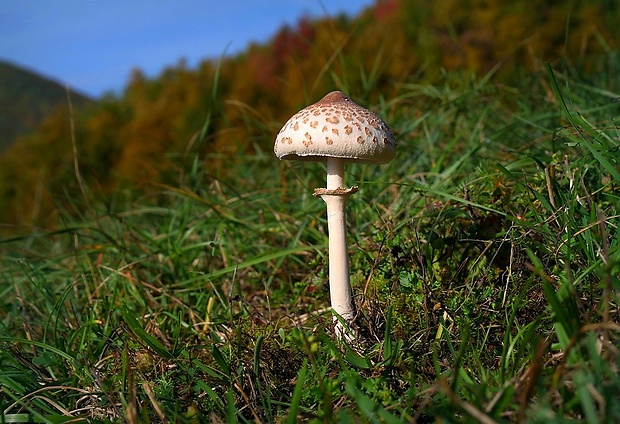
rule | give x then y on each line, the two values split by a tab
485	259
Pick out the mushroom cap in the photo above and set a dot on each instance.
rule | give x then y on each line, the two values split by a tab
336	126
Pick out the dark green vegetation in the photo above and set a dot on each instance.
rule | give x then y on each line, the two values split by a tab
485	260
25	99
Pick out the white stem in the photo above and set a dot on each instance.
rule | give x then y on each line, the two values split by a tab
335	197
339	283
335	173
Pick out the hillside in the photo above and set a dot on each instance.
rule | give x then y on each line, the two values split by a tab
26	98
161	127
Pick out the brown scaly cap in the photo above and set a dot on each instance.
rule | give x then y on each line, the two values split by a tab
336	126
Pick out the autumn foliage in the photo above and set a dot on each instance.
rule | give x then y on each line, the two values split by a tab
154	130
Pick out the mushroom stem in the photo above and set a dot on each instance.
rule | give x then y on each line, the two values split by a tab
335	197
335	173
339	284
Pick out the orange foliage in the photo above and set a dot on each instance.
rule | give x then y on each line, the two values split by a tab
146	134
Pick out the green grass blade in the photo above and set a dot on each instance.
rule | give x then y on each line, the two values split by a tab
145	338
250	262
297	392
219	359
38	344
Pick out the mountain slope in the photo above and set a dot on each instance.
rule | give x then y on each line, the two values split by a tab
25	99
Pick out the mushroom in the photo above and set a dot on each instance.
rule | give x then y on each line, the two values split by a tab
336	130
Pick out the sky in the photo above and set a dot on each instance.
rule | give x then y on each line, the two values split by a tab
92	45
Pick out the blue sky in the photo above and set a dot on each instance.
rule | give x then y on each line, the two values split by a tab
92	45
